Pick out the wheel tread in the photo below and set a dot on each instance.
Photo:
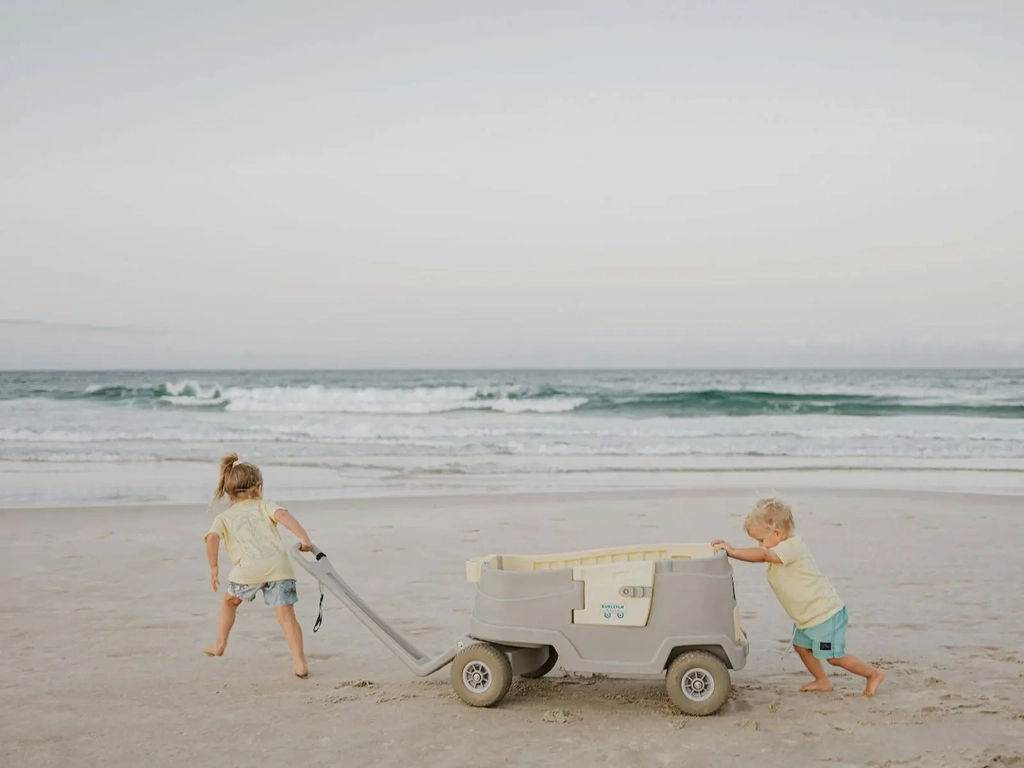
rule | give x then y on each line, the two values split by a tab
683	664
501	674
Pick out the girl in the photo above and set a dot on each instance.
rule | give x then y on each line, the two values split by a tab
252	541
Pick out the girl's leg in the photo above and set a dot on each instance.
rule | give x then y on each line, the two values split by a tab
225	622
293	634
821	681
852	664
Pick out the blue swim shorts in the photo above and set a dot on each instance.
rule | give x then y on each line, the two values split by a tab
826	640
275	593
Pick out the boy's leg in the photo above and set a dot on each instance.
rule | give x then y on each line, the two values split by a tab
803	643
852	664
226	620
293	634
821	682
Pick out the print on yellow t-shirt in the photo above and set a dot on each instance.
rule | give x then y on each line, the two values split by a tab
252	541
802	589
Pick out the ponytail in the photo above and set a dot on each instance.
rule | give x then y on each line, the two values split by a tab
238	480
227	463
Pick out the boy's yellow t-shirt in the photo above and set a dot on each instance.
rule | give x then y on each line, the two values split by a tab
252	541
805	593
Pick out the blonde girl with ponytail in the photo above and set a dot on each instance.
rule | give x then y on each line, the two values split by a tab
249	530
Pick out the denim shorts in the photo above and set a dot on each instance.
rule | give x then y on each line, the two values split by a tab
275	593
826	640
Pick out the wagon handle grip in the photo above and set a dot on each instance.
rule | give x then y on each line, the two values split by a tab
314	550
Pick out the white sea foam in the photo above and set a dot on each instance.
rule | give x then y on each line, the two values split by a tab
544	420
376	400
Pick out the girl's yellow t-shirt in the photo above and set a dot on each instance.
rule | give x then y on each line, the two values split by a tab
805	593
252	541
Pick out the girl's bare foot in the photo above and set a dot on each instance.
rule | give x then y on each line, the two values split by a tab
818	686
301	672
213	651
873	682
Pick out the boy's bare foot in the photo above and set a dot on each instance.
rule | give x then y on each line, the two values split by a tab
873	682
818	686
301	672
213	651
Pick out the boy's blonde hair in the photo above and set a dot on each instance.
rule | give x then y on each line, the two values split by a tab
771	514
239	480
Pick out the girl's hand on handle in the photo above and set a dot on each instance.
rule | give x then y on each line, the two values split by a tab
305	545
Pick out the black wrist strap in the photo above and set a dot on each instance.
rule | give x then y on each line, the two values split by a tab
320	615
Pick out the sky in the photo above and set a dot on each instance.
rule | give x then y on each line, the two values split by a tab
484	184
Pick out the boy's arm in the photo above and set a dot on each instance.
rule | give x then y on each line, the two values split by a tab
754	555
212	550
284	517
749	555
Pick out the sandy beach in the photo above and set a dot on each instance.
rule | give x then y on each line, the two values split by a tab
465	280
107	609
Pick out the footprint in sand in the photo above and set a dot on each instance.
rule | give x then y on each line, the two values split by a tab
333	698
996	760
562	716
356	684
387	698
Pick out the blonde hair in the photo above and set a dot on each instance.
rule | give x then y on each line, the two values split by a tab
237	479
772	514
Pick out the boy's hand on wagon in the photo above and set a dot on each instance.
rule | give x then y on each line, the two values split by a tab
305	545
720	544
215	577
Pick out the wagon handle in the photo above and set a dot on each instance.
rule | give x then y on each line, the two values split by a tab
413	658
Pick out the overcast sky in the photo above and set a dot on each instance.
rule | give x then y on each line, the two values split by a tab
188	184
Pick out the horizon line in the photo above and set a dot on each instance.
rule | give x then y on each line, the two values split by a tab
521	369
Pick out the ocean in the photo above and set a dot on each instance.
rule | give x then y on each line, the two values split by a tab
478	423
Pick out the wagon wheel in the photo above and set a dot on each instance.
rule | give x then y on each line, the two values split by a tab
698	683
481	675
544	668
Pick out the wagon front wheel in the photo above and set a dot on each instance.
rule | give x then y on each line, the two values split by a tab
481	675
698	683
544	668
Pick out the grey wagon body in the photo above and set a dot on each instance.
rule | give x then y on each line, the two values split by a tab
623	612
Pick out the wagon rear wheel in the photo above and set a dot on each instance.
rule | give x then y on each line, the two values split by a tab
698	683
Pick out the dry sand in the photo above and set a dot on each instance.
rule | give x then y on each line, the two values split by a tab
105	613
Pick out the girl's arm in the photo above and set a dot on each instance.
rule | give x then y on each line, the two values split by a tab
284	517
750	555
212	550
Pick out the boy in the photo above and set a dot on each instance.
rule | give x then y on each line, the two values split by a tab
819	616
